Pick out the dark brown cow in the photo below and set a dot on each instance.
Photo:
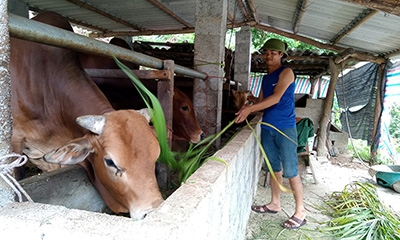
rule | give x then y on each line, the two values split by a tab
55	103
123	95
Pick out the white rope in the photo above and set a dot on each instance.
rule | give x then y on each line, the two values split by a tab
6	170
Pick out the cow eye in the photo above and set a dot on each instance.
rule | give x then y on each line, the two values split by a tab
185	108
110	162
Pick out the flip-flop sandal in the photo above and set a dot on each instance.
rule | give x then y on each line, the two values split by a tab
291	223
262	209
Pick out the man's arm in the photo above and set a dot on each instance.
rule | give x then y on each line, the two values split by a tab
285	79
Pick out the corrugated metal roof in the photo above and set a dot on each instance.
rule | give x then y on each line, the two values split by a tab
331	24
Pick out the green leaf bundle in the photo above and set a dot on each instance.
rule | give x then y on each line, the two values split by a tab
357	213
157	117
188	162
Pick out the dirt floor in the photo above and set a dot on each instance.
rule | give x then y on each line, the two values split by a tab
331	175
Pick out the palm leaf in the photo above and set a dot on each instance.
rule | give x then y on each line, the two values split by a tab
157	116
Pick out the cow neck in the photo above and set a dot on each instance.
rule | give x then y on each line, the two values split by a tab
81	92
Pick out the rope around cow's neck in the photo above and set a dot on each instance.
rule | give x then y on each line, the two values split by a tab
6	170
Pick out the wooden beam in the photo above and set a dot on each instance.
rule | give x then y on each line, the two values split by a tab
322	73
387	6
298	14
253	10
354	24
343	55
243	9
308	67
160	32
363	56
297	58
393	53
170	13
105	14
230	18
141	33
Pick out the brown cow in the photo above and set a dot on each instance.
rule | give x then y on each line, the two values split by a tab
123	95
241	98
55	103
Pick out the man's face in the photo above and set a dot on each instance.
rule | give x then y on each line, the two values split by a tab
272	57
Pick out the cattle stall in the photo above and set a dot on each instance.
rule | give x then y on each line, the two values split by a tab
37	32
165	78
213	203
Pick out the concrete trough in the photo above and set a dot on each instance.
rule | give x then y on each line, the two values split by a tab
214	203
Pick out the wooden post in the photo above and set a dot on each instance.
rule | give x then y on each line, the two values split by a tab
313	81
165	94
378	111
325	120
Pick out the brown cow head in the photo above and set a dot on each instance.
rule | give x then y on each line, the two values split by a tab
185	124
240	98
119	154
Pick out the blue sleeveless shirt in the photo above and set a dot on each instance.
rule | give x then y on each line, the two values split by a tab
281	115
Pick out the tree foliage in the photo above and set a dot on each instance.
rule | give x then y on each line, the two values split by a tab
258	39
172	38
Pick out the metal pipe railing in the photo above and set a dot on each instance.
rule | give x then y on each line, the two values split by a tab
23	28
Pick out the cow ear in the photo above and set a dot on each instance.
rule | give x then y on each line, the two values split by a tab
72	153
145	113
93	123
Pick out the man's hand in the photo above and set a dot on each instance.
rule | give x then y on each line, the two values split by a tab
242	114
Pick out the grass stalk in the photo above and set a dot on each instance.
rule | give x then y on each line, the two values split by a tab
357	213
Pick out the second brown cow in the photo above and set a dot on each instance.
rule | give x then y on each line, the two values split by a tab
123	95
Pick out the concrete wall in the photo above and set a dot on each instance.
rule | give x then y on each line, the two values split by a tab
313	110
213	204
341	141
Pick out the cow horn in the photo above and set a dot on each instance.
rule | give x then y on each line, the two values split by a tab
145	113
93	123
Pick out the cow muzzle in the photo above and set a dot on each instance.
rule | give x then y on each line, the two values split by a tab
139	214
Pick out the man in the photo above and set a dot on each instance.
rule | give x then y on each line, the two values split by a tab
277	102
